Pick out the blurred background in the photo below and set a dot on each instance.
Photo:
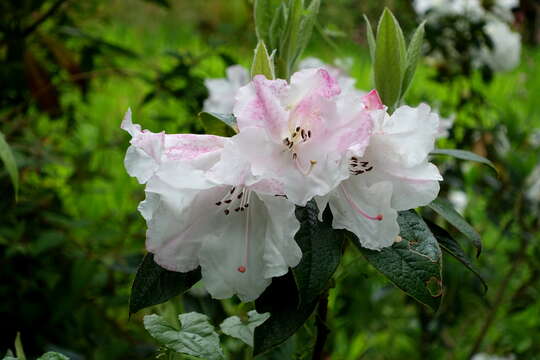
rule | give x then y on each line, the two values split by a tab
70	245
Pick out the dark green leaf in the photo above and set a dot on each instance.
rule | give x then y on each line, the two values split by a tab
51	355
390	55
218	124
414	51
321	252
306	28
412	264
154	285
277	28
262	62
371	39
445	209
9	162
452	247
464	155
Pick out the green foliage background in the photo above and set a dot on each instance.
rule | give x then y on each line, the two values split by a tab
70	246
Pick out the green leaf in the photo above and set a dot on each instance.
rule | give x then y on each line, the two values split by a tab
9	162
389	64
289	42
278	27
263	13
51	355
321	253
413	264
154	285
262	62
464	155
445	209
218	124
19	351
452	247
196	336
414	53
235	327
371	39
307	23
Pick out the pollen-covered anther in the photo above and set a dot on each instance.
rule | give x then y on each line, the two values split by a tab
242	269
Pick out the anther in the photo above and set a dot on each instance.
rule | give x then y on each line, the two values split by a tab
297	129
240	195
227	211
237	209
309	133
241	269
228	201
233	189
218	203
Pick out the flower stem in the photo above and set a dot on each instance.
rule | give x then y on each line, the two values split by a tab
322	329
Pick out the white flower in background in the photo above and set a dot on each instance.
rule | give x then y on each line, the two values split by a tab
506	52
339	72
459	200
298	133
445	124
239	232
221	92
532	192
486	356
448	7
393	174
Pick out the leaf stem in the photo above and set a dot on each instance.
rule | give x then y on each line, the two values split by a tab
322	329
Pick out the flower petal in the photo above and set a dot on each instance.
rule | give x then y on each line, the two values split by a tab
352	201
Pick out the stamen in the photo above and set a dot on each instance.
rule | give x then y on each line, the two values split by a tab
297	129
242	268
309	133
304	172
355	207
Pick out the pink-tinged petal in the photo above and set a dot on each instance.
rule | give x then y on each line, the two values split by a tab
310	82
127	124
188	147
372	101
258	104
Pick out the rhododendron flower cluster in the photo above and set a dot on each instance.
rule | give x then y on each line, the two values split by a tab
227	204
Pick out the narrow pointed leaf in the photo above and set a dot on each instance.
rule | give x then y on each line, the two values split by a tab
154	285
390	57
464	155
262	62
414	52
445	209
452	247
370	39
263	13
412	264
321	253
277	27
196	336
306	28
9	162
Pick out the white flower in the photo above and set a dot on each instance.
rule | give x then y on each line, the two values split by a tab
532	192
240	232
486	356
506	51
297	133
459	199
394	174
448	7
445	124
222	91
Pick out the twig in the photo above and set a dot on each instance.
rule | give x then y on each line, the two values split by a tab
499	297
322	329
30	29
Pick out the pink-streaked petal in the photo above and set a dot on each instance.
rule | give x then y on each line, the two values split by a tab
310	82
258	104
187	147
372	101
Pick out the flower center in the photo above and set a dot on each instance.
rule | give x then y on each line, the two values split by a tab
357	167
356	208
299	136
